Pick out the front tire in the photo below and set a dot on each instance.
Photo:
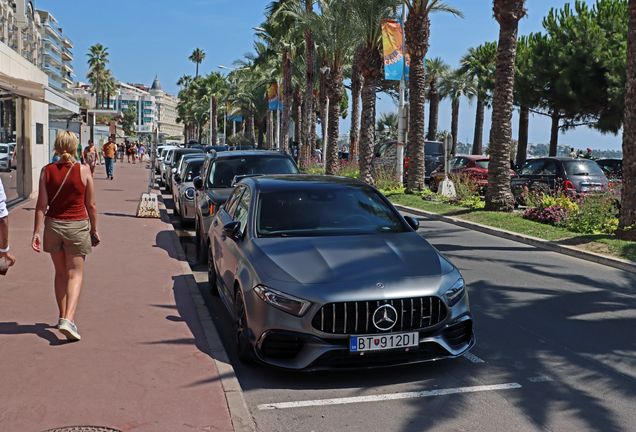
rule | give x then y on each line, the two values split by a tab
241	339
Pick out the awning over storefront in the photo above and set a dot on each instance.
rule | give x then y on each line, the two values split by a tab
37	92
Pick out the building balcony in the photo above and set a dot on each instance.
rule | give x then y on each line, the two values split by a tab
67	56
68	43
53	30
50	55
56	85
53	70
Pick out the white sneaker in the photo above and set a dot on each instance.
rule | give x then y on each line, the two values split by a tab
59	323
69	330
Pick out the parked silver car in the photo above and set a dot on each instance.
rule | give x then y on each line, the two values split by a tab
183	189
321	272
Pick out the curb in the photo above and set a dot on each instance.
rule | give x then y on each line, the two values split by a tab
618	263
239	413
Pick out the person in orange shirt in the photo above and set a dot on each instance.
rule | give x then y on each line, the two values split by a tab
108	150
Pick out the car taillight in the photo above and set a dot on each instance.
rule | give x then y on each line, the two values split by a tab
406	162
568	186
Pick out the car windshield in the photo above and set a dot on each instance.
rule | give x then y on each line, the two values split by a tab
224	170
433	148
482	163
583	167
325	212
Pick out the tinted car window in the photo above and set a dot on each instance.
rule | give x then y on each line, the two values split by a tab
230	204
4	149
482	163
433	148
223	171
550	168
242	209
193	170
582	167
325	212
532	167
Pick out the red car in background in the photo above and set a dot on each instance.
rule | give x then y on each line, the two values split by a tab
475	166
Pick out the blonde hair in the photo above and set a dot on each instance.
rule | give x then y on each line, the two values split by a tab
66	146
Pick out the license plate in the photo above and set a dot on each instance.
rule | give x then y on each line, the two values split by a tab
383	342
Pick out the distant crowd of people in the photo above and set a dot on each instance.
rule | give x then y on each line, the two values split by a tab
587	155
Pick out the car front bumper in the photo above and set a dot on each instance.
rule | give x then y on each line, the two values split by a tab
282	340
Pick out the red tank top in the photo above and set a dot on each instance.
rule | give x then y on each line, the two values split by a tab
70	202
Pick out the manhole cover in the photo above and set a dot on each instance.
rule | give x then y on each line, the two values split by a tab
83	429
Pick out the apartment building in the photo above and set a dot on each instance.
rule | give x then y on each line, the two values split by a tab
129	94
56	55
166	111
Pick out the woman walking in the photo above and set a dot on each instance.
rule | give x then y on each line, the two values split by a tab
66	203
91	157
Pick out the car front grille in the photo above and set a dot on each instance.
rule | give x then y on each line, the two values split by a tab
413	313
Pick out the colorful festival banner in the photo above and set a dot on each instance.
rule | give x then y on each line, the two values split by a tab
229	116
272	96
393	48
407	66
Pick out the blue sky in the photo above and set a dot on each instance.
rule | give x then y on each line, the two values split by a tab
155	37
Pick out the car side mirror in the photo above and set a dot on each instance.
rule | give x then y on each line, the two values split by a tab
413	223
232	230
198	183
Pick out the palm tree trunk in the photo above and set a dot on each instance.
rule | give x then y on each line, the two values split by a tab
324	115
554	132
287	100
433	97
298	123
270	129
627	218
454	124
417	30
97	89
499	196
335	91
261	132
312	131
356	86
522	146
370	62
479	126
306	145
214	126
250	128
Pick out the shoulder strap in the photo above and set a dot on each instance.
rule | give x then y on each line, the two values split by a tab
63	181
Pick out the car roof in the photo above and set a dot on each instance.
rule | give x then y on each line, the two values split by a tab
245	153
295	182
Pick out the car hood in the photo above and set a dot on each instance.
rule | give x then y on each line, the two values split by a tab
317	260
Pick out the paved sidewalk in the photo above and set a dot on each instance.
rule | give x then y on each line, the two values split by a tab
144	362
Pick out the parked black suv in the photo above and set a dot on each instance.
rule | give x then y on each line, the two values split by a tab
433	155
219	173
174	163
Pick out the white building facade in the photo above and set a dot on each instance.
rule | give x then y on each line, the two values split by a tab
145	103
166	112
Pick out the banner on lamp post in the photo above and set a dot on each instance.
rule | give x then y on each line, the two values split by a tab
229	115
393	49
272	96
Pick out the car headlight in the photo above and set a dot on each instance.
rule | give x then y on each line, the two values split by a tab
285	302
455	293
189	193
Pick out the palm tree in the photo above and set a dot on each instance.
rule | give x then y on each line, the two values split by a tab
356	89
387	125
499	195
436	69
367	17
97	59
197	57
480	64
455	85
334	32
212	87
627	218
417	30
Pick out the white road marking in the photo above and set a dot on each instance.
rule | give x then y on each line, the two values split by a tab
473	358
387	397
539	378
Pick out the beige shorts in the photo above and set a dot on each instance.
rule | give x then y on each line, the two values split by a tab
72	236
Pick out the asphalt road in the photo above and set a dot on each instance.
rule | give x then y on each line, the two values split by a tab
555	351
